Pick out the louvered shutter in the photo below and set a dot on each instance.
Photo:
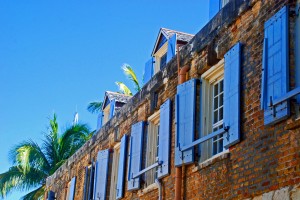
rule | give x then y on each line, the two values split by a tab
99	121
275	76
148	71
112	108
135	155
101	177
121	167
51	195
232	71
72	188
214	7
171	47
185	121
164	139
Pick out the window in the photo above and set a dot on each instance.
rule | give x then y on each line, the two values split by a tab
152	148
163	61
212	109
68	191
161	58
114	172
88	182
297	47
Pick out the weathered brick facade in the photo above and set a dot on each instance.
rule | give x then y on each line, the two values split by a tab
264	165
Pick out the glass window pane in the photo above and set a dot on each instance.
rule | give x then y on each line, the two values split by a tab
221	86
221	114
216	90
221	100
216	103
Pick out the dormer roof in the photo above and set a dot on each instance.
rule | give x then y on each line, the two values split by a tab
165	34
109	96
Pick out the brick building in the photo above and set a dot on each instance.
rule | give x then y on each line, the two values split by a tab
219	122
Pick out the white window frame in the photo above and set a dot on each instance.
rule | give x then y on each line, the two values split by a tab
209	78
114	172
150	148
158	55
68	191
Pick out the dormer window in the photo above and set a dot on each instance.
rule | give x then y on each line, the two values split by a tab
164	50
163	61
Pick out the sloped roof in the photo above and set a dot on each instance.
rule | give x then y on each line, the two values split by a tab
168	33
109	96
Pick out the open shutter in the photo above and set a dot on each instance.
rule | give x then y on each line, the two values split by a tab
214	7
99	121
232	70
135	155
121	167
112	108
185	121
171	47
102	171
148	72
72	189
164	139
51	195
275	67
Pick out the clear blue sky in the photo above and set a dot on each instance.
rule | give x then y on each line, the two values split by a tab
59	55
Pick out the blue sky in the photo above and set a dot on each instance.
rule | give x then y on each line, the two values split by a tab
56	56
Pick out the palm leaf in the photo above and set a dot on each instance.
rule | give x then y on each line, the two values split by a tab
94	107
35	194
123	88
28	154
129	72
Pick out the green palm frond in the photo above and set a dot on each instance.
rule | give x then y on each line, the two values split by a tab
129	72
123	88
28	154
94	107
35	194
16	179
33	163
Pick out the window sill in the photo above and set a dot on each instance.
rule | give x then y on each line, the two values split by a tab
216	158
148	189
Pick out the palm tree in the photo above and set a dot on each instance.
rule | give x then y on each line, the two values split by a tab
33	163
94	107
131	75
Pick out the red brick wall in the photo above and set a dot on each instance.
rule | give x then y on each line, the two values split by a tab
266	159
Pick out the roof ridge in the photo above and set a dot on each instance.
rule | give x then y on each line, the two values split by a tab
177	31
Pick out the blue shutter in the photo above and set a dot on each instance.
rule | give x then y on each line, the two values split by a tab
101	174
232	71
275	67
99	121
214	7
112	108
185	121
164	139
51	195
171	47
121	167
135	156
148	72
72	189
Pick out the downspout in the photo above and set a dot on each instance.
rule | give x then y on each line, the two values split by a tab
178	170
159	188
